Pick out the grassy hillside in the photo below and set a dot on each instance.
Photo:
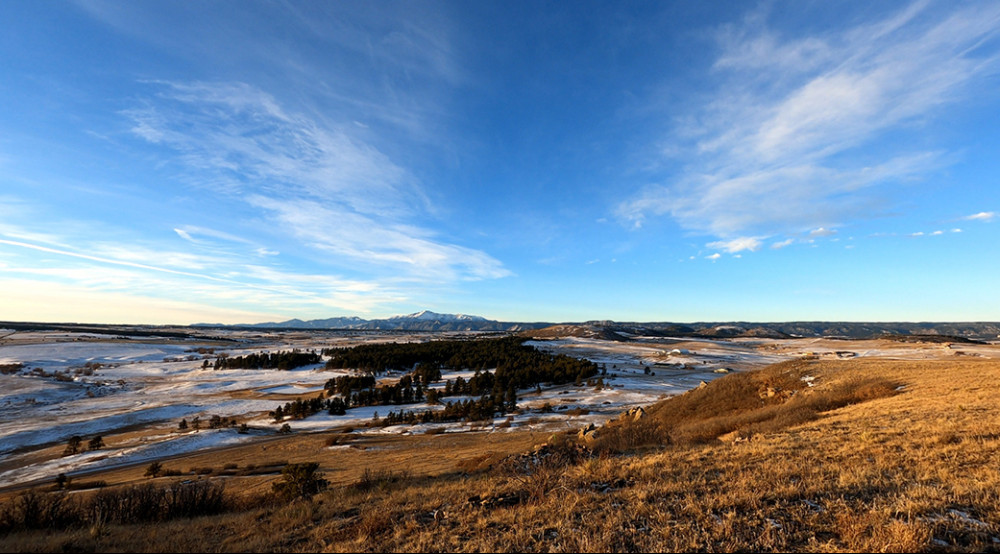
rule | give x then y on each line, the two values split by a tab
833	455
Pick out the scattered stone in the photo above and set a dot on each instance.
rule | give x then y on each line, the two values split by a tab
497	500
544	454
609	486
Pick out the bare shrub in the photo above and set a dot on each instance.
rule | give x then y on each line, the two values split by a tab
193	499
8	369
126	505
381	479
34	510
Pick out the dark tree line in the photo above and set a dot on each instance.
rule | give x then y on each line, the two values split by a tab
406	391
517	366
278	360
348	383
484	408
300	408
455	354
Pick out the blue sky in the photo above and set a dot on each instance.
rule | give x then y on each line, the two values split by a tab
237	161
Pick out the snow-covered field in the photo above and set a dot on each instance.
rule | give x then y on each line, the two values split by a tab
133	393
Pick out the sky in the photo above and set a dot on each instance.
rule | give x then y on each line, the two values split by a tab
238	161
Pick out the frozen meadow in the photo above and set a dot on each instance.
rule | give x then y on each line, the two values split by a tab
133	392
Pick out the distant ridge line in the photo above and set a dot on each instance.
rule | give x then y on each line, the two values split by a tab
432	321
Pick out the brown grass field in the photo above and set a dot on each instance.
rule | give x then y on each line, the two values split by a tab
879	455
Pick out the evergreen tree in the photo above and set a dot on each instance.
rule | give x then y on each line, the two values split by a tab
72	445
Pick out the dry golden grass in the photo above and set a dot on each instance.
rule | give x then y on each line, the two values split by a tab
912	471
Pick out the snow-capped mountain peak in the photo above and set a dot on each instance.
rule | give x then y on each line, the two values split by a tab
427	315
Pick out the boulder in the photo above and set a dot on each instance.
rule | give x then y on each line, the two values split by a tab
633	414
588	433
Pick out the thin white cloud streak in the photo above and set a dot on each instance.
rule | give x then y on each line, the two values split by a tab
109	260
338	231
736	245
316	182
246	285
191	232
769	153
195	234
822	232
981	216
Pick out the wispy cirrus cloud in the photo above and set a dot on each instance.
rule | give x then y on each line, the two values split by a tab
226	284
333	229
313	180
775	150
236	138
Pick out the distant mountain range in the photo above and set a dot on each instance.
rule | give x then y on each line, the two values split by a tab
420	321
432	321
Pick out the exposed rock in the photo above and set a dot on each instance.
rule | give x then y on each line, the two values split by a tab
497	501
770	392
732	436
633	414
588	434
545	454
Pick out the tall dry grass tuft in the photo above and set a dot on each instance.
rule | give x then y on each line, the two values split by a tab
872	530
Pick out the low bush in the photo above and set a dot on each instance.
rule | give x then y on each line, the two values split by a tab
300	481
